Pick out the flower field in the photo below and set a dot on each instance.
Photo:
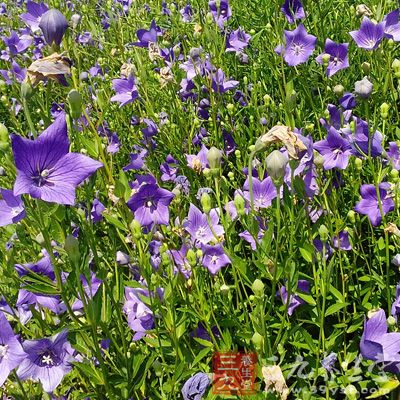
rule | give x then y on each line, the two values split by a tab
199	199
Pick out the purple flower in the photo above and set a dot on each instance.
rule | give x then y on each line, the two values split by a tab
335	149
53	25
363	143
85	38
148	36
295	300
348	101
369	35
299	46
248	237
394	155
15	73
369	204
126	90
140	317
48	360
198	162
378	345
90	289
137	159
214	258
342	241
169	169
263	192
151	128
46	170
237	41
12	208
200	229
219	84
35	12
96	213
293	9
178	257
195	387
329	362
395	311
222	13
16	44
186	13
41	267
392	25
150	205
11	351
338	53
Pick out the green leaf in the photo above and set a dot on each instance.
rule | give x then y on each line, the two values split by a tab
307	253
307	298
115	221
385	389
200	356
335	308
90	372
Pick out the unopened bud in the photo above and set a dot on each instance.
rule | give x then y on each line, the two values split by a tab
363	88
136	229
214	157
338	90
75	103
384	110
325	59
191	257
358	163
323	233
258	287
26	90
391	320
366	67
351	392
275	164
239	204
206	202
75	20
257	340
3	133
351	215
71	246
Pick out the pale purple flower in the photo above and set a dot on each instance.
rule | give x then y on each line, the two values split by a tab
195	387
263	192
137	159
237	41
202	228
16	44
11	351
85	38
214	258
186	13
378	345
329	361
342	241
248	237
96	213
392	25
394	155
335	150
12	208
369	35
369	203
178	257
45	168
338	53
48	360
293	10
169	169
221	12
150	205
348	101
295	300
14	74
90	289
198	162
126	90
299	46
395	311
148	36
220	84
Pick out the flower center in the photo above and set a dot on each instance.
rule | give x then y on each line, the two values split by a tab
214	259
201	232
3	351
41	178
149	204
297	49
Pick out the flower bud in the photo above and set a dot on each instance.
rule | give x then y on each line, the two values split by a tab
257	340
71	246
136	229
231	108
3	133
75	20
396	65
394	174
258	287
267	100
323	233
75	103
338	90
384	110
351	392
309	127
26	90
366	67
224	289
206	202
318	160
325	59
239	204
53	25
363	88
191	257
391	321
275	164
214	157
122	258
358	163
351	215
83	76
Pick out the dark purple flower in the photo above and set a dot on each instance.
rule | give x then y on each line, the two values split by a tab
369	35
201	230
195	387
46	170
96	213
150	205
90	289
56	109
220	11
16	44
369	203
126	90
41	267
237	41
348	101
186	13
395	311
148	36
342	241
392	25
295	300
394	155
220	84
338	53
202	333
140	317
293	9
378	345
229	143
11	351
137	159
151	128
35	12
299	46
12	208
214	258
329	362
263	192
53	25
169	169
363	143
48	360
335	149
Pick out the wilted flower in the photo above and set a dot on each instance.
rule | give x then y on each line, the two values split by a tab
48	360
196	386
275	380
53	25
369	204
46	169
362	10
369	35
